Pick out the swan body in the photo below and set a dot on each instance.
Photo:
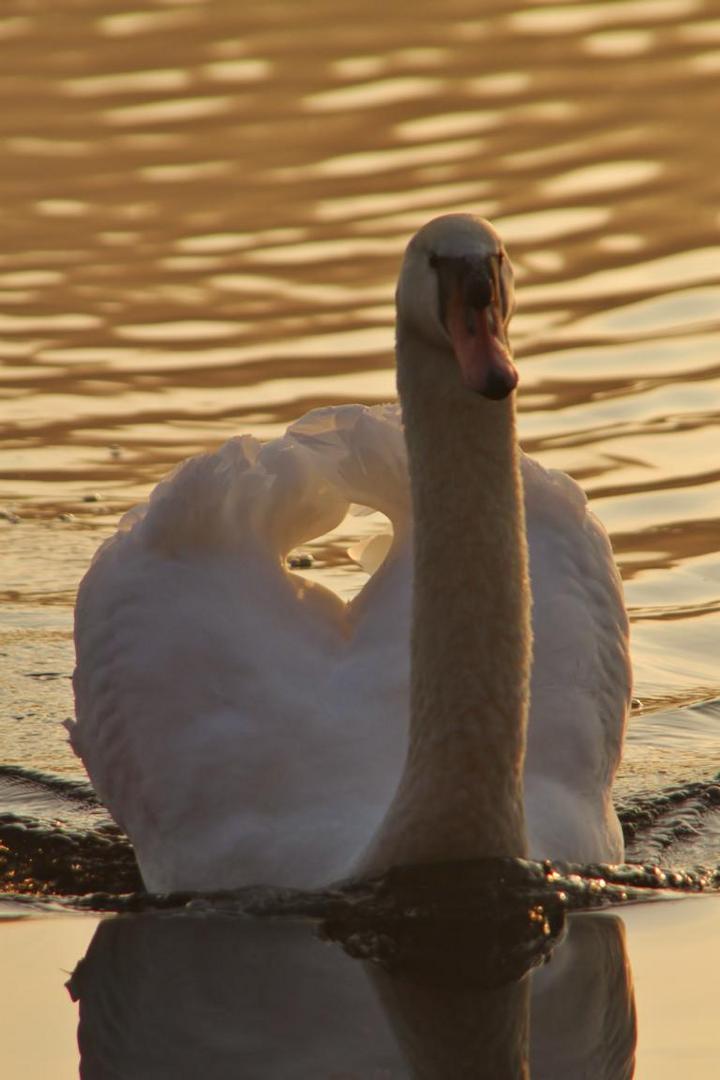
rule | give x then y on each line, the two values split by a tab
243	725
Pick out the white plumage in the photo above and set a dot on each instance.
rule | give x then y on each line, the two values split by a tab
245	726
242	724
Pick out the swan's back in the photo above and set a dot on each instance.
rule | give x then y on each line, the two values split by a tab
234	717
245	726
581	677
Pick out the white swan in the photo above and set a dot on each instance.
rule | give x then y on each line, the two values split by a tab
245	726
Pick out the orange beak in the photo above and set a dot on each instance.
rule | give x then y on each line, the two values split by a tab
477	332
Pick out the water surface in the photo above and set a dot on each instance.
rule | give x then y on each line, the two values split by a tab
205	206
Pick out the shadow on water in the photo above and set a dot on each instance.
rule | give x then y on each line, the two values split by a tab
216	995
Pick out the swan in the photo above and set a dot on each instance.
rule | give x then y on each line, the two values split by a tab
244	725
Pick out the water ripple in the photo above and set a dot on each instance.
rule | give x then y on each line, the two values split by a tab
205	207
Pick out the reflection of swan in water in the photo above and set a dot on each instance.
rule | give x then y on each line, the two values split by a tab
211	997
184	997
585	992
243	725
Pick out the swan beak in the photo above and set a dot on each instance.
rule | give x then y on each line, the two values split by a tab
475	322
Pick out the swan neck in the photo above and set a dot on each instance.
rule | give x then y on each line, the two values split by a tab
461	794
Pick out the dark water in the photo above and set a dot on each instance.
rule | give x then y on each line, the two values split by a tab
58	841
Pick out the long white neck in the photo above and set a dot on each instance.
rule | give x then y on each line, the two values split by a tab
461	793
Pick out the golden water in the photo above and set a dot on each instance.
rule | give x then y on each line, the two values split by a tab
204	205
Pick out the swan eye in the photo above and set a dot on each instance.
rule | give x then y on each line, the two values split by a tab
434	261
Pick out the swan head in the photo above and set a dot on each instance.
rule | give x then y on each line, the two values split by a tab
455	292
